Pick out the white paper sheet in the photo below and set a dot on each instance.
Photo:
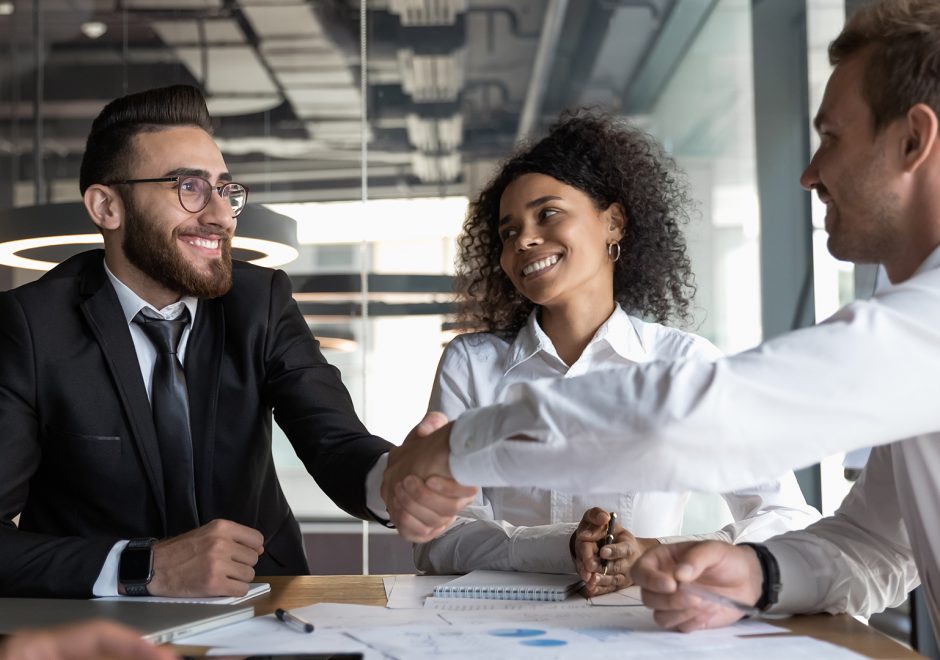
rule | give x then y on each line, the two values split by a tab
543	630
339	616
318	642
523	639
409	591
629	597
575	602
326	617
634	618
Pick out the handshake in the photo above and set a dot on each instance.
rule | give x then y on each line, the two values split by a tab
421	495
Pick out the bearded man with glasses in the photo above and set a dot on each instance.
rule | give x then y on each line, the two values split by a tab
138	384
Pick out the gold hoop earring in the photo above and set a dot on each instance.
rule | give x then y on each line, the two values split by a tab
612	254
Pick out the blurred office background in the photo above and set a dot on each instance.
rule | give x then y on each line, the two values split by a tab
366	125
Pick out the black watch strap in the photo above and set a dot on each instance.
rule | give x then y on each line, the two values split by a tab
132	589
770	587
137	586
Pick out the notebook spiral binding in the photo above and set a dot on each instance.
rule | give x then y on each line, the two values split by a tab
502	592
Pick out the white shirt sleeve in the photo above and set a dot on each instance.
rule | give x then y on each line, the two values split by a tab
761	512
476	540
849	382
857	561
374	500
107	582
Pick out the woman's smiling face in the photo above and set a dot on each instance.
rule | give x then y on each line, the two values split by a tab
555	240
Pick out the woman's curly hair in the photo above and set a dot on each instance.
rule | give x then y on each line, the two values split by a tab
611	162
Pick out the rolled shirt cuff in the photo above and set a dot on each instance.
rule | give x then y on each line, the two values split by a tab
799	579
543	549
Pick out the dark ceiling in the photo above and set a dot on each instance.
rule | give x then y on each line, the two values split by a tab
451	84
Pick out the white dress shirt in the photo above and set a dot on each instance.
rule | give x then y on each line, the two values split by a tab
527	529
865	376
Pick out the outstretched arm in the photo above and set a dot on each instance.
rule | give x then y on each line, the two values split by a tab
742	420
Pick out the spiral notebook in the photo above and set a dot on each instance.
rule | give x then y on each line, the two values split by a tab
510	585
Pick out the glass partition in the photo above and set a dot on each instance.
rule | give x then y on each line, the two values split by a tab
834	282
371	123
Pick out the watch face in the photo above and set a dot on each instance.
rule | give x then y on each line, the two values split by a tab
136	564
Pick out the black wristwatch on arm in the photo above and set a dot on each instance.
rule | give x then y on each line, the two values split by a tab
770	586
135	570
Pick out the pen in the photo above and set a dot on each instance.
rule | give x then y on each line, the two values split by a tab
609	538
711	596
293	621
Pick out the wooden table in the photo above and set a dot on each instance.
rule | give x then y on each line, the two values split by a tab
292	592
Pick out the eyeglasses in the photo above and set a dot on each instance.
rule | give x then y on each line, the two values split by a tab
195	192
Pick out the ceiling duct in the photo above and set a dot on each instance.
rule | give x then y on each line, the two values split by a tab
315	73
433	74
436	168
234	78
430	134
414	13
432	78
170	5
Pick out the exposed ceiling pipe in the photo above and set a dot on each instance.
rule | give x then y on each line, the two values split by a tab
38	46
552	23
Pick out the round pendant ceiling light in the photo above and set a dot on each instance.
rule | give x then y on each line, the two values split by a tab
41	237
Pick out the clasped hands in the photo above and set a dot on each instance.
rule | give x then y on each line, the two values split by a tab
659	569
620	555
419	491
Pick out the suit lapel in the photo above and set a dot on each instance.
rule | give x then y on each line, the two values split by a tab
203	368
106	320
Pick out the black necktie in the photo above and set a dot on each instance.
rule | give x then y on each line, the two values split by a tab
169	401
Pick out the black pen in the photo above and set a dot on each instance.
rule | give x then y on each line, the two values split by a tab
609	538
293	621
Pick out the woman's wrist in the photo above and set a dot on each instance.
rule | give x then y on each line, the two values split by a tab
646	544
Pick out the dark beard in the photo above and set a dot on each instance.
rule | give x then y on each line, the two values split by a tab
161	260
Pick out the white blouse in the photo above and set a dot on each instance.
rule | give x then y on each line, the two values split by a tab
527	529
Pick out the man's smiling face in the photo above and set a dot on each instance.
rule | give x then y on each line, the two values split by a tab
187	253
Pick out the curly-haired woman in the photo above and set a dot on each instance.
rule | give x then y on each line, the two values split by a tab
570	260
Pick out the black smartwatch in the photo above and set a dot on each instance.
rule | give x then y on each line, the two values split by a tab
770	586
135	570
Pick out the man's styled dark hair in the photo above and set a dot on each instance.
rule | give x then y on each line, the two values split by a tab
904	69
108	150
611	162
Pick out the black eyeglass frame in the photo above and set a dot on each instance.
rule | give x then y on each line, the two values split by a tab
179	190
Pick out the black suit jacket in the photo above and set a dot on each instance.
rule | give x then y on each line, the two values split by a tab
79	458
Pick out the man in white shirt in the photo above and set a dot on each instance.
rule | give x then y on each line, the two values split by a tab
861	378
